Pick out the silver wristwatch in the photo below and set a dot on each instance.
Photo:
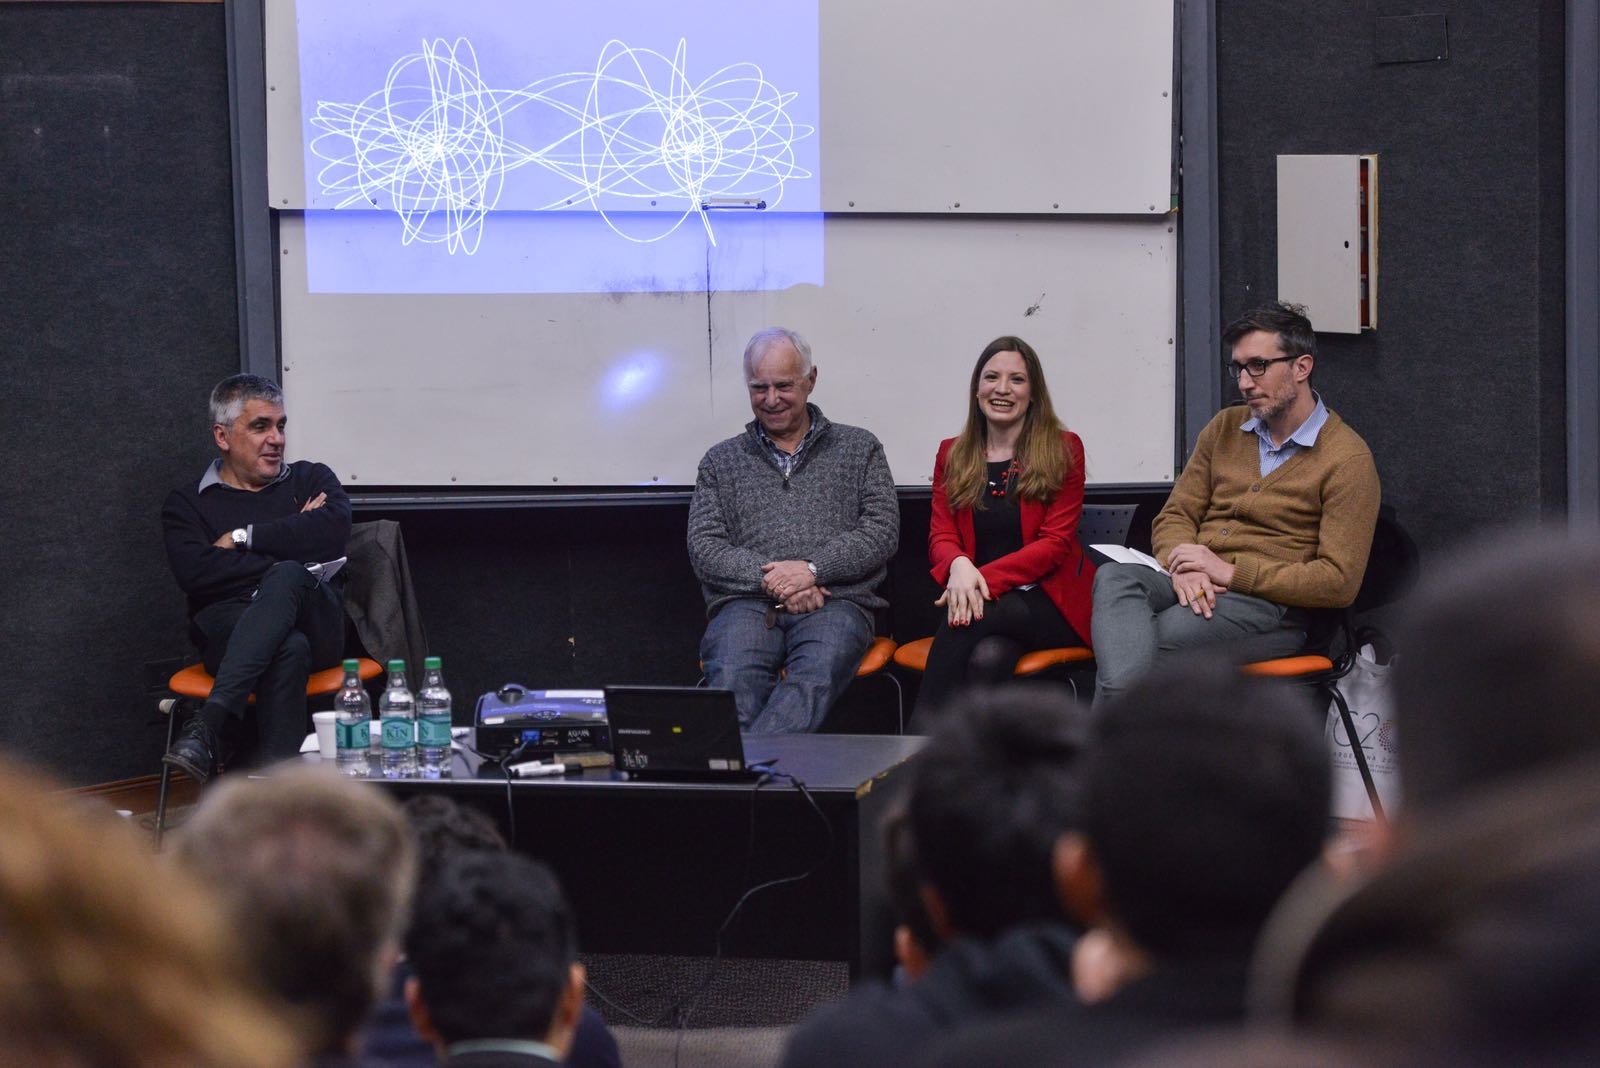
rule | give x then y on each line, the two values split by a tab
241	537
813	568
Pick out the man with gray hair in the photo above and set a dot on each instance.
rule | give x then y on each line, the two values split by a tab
790	529
316	873
238	542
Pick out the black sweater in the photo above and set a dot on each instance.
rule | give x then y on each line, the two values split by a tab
193	521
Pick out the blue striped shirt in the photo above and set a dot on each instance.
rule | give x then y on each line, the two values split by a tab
1305	436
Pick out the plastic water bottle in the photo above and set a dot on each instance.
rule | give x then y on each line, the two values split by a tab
397	724
433	722
352	721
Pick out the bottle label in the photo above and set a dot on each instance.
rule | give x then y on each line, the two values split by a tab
433	733
398	733
352	735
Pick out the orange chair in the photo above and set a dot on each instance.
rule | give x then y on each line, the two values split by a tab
1100	524
193	683
914	657
1392	568
879	655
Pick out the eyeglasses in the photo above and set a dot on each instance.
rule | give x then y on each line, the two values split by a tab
1253	368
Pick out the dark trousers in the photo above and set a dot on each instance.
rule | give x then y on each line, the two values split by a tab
268	644
986	650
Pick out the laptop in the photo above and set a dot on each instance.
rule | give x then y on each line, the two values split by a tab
676	732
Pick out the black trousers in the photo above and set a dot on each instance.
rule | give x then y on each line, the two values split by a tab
268	644
986	650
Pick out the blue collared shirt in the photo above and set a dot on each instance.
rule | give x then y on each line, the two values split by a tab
213	477
786	461
1305	436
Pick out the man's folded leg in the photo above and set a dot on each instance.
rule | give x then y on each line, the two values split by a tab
1128	599
252	637
1249	628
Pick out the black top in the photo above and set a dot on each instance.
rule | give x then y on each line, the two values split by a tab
500	1059
970	981
1178	996
997	526
391	1041
192	521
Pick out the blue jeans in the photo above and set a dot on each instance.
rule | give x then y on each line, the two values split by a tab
817	654
1137	618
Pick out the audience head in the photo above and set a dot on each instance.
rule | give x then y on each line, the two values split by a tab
109	957
988	798
1206	794
443	828
1499	664
316	872
494	953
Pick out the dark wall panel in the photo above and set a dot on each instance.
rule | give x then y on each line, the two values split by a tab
117	314
1460	390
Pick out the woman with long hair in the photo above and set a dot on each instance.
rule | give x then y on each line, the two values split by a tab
1003	541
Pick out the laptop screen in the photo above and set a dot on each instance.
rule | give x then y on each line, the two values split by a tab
665	730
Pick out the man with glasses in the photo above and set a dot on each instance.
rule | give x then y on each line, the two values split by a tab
1271	519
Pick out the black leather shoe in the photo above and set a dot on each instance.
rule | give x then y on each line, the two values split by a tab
195	751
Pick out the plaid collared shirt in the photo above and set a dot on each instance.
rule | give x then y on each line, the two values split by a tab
786	461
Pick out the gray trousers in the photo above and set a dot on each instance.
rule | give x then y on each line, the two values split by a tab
1137	618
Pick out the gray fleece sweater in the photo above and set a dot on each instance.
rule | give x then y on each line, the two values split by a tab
837	509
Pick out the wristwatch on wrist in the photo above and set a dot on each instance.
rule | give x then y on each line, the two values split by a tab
813	568
241	537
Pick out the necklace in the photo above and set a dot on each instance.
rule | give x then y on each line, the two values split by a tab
998	489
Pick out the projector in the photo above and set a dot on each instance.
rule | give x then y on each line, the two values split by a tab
543	721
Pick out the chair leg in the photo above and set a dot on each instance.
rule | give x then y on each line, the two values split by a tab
175	710
899	700
1360	754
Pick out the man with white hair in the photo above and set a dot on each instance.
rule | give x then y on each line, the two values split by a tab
238	542
790	529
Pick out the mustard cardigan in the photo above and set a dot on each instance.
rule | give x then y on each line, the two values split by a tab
1300	536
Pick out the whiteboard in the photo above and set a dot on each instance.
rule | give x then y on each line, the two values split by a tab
1009	106
941	174
630	389
912	302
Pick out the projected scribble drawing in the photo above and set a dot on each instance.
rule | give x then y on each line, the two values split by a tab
434	144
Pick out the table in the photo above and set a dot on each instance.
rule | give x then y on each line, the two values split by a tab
655	867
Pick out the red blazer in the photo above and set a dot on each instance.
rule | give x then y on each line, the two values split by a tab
1050	553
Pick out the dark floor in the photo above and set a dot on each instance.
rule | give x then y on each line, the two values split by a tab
738	1011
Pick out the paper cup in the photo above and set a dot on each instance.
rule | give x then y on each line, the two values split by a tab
327	740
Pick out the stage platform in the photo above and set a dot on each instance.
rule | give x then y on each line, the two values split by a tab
655	867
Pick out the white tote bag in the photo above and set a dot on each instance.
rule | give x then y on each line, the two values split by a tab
1367	690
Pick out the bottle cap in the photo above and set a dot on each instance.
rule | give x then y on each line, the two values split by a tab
432	663
397	665
352	665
